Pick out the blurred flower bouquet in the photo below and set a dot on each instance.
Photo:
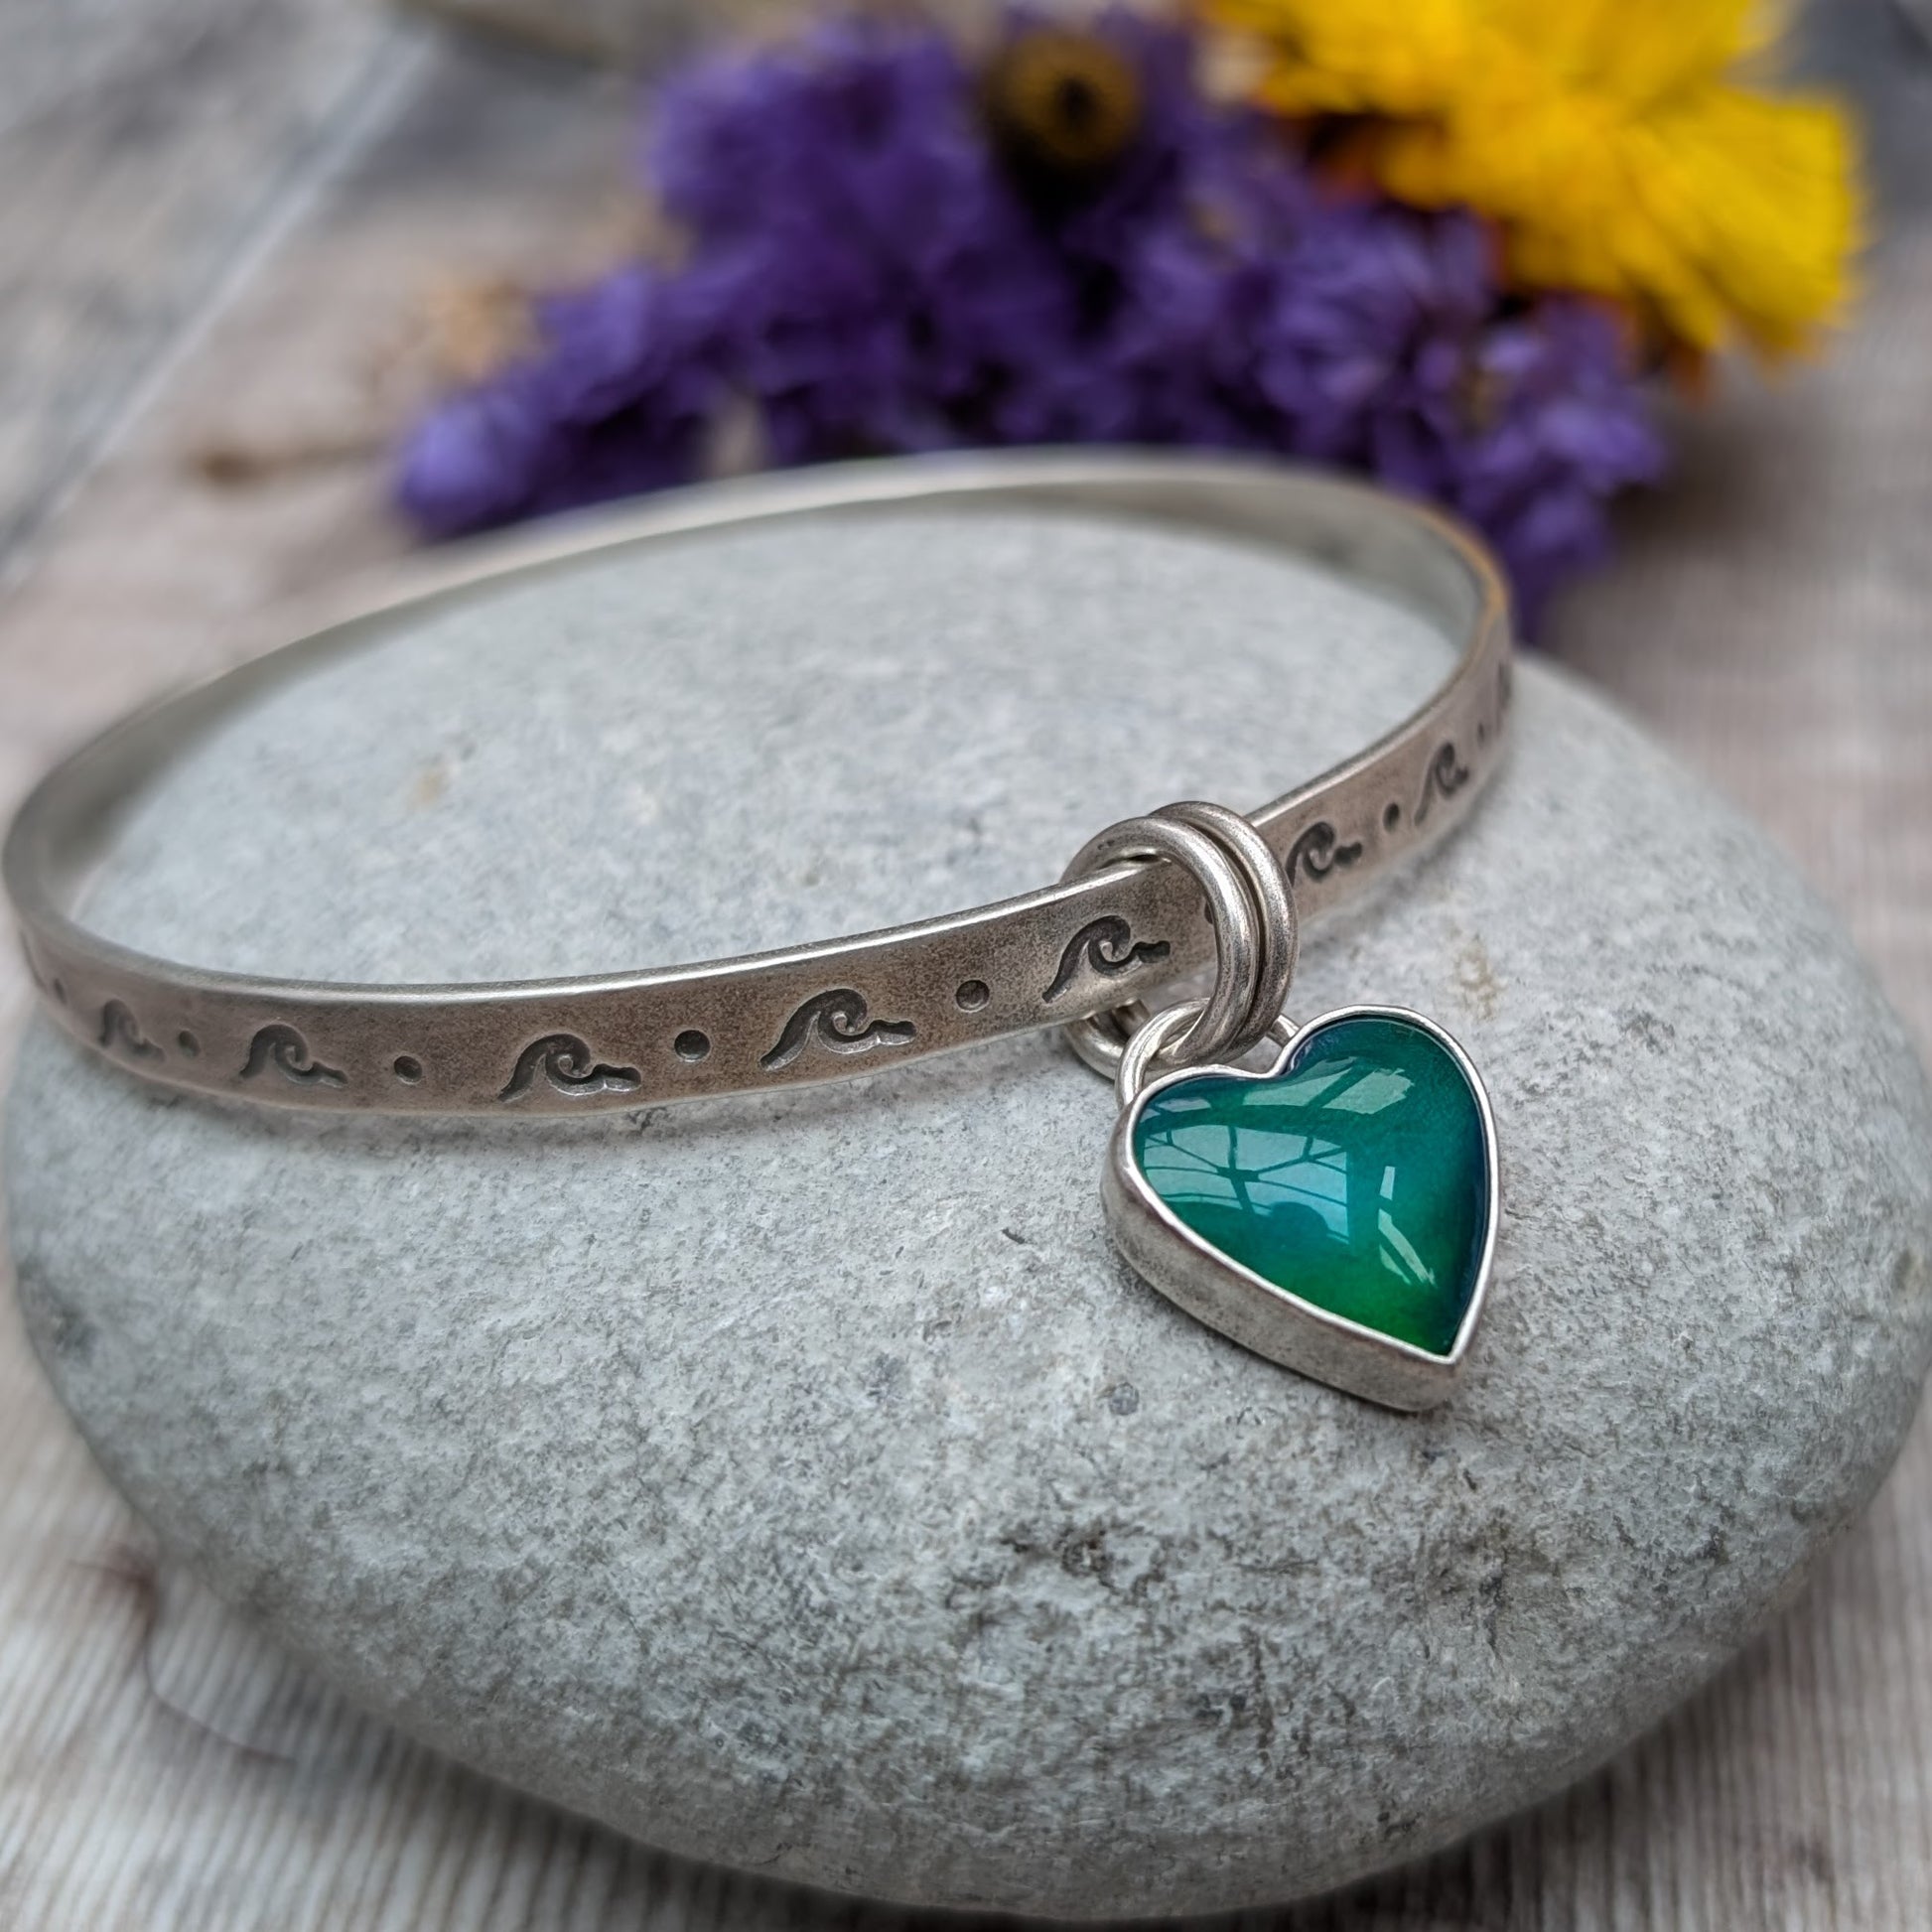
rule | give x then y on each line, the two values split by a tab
1455	245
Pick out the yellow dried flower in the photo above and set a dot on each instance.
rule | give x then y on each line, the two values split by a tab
1618	143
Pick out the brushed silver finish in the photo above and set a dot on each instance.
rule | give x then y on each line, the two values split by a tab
1244	948
1255	947
1266	882
816	1011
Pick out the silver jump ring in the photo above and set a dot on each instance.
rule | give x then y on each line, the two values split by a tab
1280	929
1231	909
1141	1051
1272	938
1101	1037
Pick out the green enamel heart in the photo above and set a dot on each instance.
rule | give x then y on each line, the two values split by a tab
1357	1178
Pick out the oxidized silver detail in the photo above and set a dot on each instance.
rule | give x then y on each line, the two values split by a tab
1318	852
838	1021
284	1048
563	1059
1245	951
1256	933
312	1043
1107	948
1268	883
120	1032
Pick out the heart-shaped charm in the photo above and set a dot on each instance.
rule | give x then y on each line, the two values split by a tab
1337	1213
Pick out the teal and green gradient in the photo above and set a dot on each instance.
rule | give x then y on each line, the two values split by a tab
1357	1179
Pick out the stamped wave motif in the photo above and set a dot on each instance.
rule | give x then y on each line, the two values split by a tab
281	1046
1319	851
1106	947
1446	775
837	1021
120	1032
569	1066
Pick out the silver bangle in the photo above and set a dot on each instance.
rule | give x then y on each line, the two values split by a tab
1099	940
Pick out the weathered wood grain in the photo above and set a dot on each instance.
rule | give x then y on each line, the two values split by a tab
163	1770
147	152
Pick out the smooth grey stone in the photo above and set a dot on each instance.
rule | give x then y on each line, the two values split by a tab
798	1481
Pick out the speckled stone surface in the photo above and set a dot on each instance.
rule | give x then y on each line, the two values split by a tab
799	1482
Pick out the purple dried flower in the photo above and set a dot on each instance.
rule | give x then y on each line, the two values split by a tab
876	266
892	288
615	399
1385	351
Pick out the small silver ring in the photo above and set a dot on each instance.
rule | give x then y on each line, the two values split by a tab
1267	929
1101	1038
1274	901
1231	911
1140	1053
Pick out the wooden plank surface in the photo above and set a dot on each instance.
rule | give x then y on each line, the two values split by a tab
162	1768
149	153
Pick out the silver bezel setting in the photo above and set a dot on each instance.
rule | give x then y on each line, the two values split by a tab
1273	1322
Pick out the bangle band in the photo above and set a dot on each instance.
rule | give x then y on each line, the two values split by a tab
1098	941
